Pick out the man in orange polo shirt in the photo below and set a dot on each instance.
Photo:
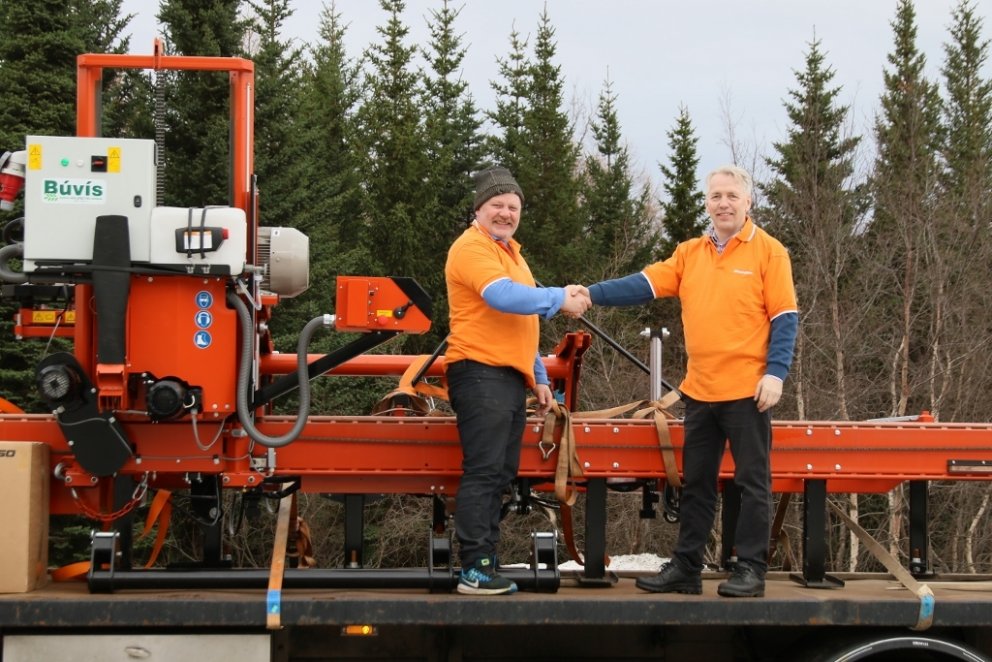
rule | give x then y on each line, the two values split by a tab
740	319
491	361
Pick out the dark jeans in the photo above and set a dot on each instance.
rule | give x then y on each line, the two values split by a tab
708	427
490	407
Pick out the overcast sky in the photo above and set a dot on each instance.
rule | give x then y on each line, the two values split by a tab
729	62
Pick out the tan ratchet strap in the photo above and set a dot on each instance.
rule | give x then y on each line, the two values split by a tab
568	532
922	591
558	423
642	409
303	539
659	409
567	469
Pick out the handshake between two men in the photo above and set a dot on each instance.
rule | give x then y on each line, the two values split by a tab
577	301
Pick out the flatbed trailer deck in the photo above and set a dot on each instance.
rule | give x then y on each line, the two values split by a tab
620	622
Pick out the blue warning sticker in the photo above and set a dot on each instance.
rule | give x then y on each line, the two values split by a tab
202	339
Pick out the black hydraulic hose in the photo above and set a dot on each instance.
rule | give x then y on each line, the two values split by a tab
244	375
7	275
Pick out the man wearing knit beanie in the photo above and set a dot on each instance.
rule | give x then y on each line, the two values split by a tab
492	182
491	361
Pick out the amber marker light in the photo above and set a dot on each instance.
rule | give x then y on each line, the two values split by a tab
359	630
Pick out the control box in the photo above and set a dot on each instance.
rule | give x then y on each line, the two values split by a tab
381	303
69	181
199	240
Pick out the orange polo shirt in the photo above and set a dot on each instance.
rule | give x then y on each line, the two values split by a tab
728	302
478	331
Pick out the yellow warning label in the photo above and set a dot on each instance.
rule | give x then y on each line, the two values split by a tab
113	159
34	157
383	313
53	316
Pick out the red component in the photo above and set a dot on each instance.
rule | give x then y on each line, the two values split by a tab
44	323
109	379
11	178
181	326
10	187
377	304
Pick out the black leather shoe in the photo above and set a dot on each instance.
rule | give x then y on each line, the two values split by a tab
672	579
744	582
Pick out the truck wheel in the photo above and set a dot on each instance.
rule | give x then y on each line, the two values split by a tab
897	648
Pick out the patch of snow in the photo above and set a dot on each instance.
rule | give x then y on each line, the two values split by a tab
624	563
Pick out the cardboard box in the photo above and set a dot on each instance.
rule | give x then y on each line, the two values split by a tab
24	500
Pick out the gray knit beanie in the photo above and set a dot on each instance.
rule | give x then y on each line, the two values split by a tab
492	182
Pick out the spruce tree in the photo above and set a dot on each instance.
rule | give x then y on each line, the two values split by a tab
393	161
811	167
619	228
197	153
280	166
908	135
511	103
331	208
278	145
454	148
38	49
683	217
101	25
620	239
331	93
547	158
39	43
814	208
958	291
684	212
967	120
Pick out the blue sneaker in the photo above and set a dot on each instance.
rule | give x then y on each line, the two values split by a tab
482	579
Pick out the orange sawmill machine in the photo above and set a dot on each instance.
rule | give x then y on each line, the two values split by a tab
173	374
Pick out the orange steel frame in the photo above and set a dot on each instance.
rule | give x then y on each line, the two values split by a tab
89	76
421	455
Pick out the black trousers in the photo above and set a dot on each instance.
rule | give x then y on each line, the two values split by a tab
490	409
708	428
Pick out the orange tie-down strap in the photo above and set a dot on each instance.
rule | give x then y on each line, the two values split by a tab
558	423
410	397
159	513
8	407
273	600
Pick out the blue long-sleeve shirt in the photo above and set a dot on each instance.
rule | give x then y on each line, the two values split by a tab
508	296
